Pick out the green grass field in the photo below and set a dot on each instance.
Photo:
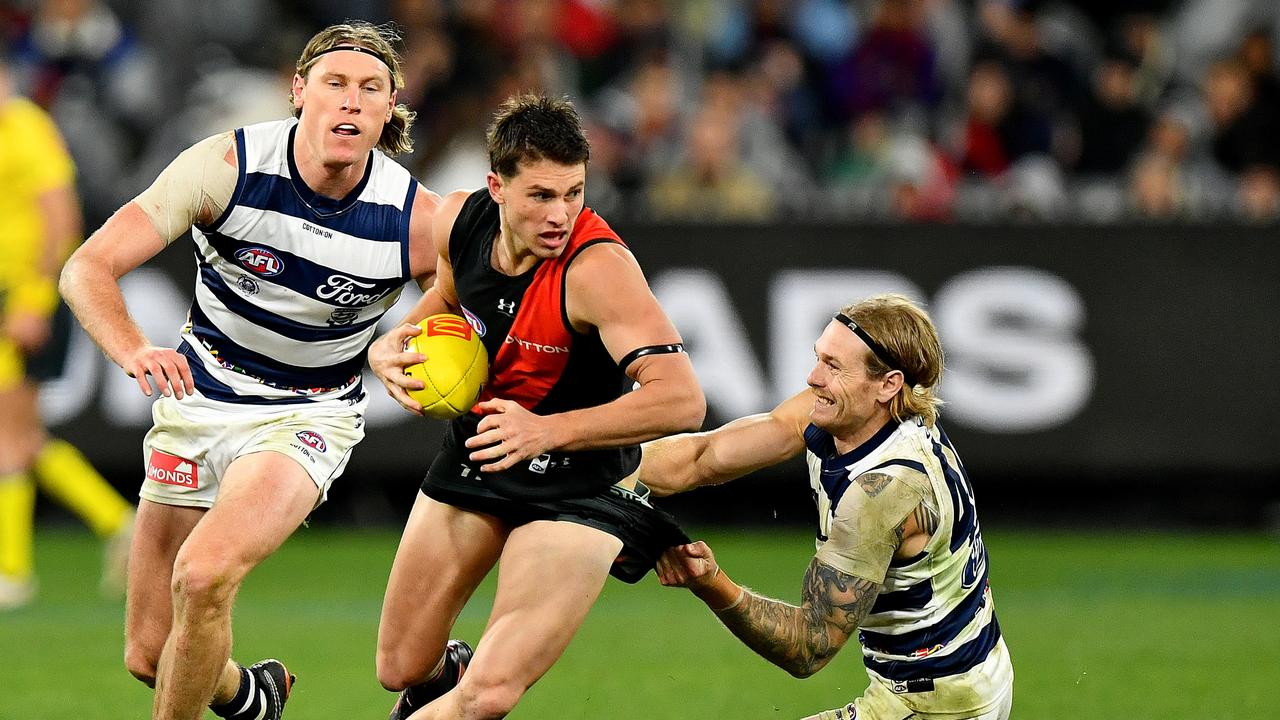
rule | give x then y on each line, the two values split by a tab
1099	626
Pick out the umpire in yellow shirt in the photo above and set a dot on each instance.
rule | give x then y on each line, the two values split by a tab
39	226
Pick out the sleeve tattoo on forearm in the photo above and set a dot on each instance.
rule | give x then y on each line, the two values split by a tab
801	640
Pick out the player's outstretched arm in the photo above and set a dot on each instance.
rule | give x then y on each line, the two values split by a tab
682	462
800	640
195	187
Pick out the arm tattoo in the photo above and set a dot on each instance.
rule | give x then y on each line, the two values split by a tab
874	483
926	519
801	640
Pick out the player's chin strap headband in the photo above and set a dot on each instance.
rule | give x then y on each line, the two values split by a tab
366	51
876	348
638	353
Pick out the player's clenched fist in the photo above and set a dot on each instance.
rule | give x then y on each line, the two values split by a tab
688	566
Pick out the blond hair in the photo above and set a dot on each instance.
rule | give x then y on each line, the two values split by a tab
903	329
378	40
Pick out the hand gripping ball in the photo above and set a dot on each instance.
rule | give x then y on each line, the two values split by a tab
455	369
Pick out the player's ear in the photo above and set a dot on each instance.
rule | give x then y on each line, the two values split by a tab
495	186
299	83
890	384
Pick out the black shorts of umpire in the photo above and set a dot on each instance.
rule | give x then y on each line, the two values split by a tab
645	531
49	362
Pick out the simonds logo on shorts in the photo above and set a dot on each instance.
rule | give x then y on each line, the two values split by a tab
313	440
172	470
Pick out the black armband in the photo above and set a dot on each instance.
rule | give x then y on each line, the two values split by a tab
638	353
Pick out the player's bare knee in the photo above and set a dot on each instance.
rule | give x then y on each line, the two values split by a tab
141	662
204	581
391	672
398	669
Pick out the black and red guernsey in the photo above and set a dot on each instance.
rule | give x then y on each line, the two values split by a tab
536	359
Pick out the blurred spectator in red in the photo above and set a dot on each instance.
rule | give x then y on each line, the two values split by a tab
922	184
13	23
995	132
1048	91
607	38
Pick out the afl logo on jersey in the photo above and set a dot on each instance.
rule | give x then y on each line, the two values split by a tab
313	439
261	261
476	322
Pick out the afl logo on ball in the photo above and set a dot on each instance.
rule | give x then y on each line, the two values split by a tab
313	440
261	261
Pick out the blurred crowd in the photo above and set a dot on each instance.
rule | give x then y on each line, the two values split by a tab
1090	111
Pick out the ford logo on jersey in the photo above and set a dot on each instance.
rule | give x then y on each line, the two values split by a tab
343	290
261	261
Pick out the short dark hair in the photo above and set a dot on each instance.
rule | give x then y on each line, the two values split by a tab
531	127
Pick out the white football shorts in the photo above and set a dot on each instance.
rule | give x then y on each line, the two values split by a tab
193	441
992	679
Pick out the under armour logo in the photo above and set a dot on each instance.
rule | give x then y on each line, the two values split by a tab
507	307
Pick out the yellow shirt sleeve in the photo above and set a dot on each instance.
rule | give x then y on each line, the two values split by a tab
36	162
43	152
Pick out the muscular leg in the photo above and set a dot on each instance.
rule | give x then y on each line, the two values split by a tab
550	575
262	500
444	554
160	532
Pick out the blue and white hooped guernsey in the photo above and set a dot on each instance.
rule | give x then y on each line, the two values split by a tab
933	624
291	283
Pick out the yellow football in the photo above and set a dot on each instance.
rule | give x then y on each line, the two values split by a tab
455	369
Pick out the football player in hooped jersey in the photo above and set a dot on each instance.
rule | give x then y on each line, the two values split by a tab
305	233
529	477
900	556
